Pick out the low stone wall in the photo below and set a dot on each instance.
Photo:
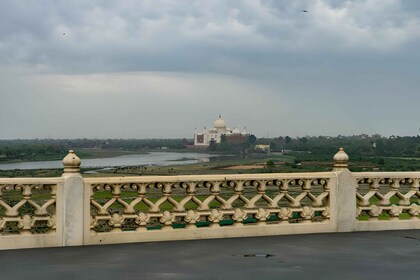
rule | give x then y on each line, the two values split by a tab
31	212
71	210
192	207
387	200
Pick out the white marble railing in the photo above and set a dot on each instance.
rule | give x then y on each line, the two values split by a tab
162	205
388	200
73	210
30	211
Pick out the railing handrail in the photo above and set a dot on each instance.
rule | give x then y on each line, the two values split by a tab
384	174
31	180
215	177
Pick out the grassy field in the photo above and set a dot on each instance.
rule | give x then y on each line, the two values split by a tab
260	163
281	164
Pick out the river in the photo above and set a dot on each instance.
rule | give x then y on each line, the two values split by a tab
152	158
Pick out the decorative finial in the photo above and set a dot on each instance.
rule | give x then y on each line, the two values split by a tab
71	163
341	160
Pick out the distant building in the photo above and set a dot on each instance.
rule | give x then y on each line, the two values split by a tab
216	133
262	148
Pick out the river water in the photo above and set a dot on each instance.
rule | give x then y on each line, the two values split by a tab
152	158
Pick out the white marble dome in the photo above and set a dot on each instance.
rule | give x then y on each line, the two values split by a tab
220	123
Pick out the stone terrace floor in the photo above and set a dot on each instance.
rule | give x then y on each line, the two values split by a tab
361	255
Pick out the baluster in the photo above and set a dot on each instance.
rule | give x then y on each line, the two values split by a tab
215	217
414	211
307	214
285	214
191	218
167	219
142	221
260	186
395	212
116	222
25	225
375	211
239	216
262	215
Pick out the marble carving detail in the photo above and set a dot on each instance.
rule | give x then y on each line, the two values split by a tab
388	197
27	209
167	205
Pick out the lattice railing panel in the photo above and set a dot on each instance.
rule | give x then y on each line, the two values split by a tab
27	208
190	202
387	197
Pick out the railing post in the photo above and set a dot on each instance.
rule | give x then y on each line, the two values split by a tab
73	194
346	193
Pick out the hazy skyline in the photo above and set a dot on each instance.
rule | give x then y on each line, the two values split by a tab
160	69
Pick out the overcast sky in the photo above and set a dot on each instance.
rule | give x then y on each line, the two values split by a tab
159	69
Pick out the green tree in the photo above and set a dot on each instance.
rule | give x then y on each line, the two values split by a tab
303	140
212	145
252	138
270	164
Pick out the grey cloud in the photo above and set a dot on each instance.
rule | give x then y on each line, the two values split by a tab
189	35
345	67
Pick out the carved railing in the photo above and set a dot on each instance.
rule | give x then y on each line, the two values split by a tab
73	210
171	203
388	196
28	206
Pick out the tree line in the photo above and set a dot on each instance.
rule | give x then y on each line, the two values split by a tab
358	145
376	145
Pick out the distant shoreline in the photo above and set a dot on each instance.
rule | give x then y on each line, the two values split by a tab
85	153
158	158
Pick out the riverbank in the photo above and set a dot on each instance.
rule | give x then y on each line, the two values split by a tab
86	153
263	163
151	158
201	164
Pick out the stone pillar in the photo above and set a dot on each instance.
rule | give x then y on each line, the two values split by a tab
73	194
346	193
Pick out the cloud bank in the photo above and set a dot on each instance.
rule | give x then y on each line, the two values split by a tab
81	68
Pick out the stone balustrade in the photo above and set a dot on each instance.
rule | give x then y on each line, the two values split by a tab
72	210
30	212
387	200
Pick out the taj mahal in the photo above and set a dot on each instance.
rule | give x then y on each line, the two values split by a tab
205	137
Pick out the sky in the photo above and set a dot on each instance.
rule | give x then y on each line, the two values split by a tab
161	69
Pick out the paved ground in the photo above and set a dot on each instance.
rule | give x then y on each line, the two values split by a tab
362	255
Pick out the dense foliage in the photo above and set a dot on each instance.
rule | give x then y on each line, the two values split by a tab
360	145
316	146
